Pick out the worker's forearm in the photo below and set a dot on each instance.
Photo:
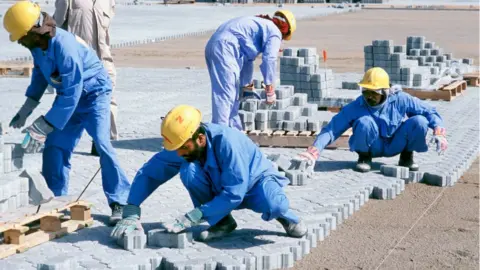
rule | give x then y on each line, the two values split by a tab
323	140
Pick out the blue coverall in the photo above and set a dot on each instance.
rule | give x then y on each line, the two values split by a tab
82	102
229	55
235	175
381	130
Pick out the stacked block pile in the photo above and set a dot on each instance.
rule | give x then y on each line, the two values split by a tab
418	64
13	189
291	112
300	67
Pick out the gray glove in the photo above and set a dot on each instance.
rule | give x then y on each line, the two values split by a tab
186	221
129	223
19	119
36	135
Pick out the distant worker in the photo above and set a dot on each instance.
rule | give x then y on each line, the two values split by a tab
379	128
90	20
230	54
221	168
83	97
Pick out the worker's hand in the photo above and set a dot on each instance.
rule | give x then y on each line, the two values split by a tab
305	161
20	118
249	87
440	139
270	94
36	135
184	222
311	154
129	223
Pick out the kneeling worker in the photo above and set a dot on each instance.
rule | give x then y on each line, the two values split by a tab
222	170
379	129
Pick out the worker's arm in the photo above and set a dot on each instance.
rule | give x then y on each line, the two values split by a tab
335	128
246	74
68	82
162	167
61	12
234	165
38	84
269	59
415	106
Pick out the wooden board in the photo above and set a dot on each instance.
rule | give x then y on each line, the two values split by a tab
23	234
15	71
293	139
473	79
447	93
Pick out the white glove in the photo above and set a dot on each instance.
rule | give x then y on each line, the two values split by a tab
270	94
440	140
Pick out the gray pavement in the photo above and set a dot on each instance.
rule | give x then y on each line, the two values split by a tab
335	193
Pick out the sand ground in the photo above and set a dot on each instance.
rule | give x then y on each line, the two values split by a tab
446	237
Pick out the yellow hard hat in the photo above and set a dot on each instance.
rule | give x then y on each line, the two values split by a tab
179	125
292	23
375	78
20	18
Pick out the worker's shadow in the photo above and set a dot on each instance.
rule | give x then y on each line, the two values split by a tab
142	144
337	165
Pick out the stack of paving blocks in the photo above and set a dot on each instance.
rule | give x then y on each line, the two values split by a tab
300	67
291	112
350	85
419	64
13	189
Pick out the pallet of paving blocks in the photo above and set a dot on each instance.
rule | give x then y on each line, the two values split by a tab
25	232
473	79
290	122
447	93
15	71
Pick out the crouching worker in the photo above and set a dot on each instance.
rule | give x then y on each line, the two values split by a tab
221	168
82	102
379	128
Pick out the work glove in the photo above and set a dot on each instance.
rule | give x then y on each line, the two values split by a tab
305	161
270	94
129	223
27	108
440	140
248	91
186	221
36	135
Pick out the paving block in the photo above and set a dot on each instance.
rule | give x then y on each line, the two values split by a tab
395	171
38	190
161	238
297	178
300	124
62	262
314	125
309	109
415	177
283	162
134	240
246	116
283	92
250	105
292	113
281	104
299	99
276	115
261	116
228	263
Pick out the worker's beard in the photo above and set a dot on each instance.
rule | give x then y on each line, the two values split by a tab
198	153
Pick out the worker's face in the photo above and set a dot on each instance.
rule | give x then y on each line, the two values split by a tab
30	41
193	150
372	97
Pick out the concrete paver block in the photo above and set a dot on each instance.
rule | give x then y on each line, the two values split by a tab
134	240
62	262
38	190
161	238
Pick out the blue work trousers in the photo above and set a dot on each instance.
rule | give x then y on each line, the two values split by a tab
93	115
410	136
224	64
266	196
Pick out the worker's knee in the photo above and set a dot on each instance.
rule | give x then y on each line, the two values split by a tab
190	172
365	133
417	125
275	201
365	125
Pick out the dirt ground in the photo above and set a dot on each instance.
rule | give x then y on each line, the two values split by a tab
446	237
342	36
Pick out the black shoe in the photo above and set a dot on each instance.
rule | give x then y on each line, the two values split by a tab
222	228
94	152
117	212
297	230
364	163
406	160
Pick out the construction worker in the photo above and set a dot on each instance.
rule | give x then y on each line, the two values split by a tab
222	170
83	97
379	128
230	53
90	20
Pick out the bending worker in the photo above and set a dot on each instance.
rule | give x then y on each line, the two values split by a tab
379	129
83	97
230	53
90	20
222	170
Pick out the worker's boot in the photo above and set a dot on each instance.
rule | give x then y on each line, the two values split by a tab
297	230
406	160
117	212
94	152
225	226
364	163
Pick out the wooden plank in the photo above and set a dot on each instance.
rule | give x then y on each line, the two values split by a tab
433	95
266	132
292	133
305	133
279	133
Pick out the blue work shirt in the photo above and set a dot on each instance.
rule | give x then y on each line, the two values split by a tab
73	69
388	117
253	35
233	163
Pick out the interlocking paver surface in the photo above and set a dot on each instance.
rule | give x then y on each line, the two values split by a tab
334	194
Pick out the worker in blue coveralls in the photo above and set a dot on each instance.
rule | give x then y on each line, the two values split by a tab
82	102
221	168
230	54
379	127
